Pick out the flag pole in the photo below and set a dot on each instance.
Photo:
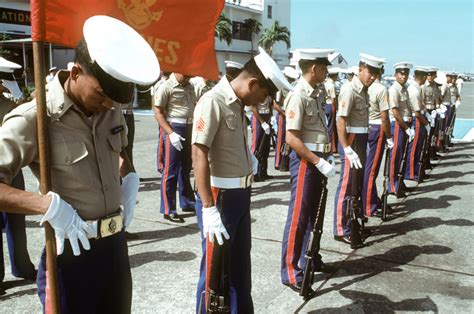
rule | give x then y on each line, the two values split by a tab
42	121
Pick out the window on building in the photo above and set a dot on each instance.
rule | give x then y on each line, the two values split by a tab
239	31
269	11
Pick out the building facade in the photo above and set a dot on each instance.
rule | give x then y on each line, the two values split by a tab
264	11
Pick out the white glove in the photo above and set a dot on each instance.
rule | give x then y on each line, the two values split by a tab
212	224
266	128
130	184
353	158
443	108
254	165
175	140
428	128
410	133
273	120
390	143
326	168
434	113
66	224
457	103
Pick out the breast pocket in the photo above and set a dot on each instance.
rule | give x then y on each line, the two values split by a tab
178	98
115	144
69	163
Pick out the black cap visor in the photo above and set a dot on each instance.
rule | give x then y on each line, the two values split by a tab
118	91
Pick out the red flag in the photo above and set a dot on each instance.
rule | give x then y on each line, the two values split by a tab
181	32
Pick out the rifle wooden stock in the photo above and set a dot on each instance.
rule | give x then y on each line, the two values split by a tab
386	178
313	246
218	291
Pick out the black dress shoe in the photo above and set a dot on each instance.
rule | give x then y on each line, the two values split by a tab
131	236
401	195
258	179
345	239
409	189
174	218
29	276
325	268
188	210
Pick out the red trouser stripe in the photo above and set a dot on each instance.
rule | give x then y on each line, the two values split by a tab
294	221
342	192
165	175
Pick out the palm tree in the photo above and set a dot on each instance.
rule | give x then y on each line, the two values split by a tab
223	30
273	35
253	26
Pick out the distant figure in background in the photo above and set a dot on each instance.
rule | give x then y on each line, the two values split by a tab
331	105
52	72
159	151
232	69
262	114
202	86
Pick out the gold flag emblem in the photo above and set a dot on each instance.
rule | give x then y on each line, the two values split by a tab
138	13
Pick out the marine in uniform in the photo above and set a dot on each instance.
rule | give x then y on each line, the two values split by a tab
455	101
331	105
401	125
232	69
379	136
14	224
202	86
174	107
160	147
261	117
307	135
87	132
352	128
420	124
223	170
444	110
278	105
431	101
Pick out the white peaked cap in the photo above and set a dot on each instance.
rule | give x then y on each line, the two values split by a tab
375	62
432	69
120	51
270	70
333	70
403	65
424	69
8	66
233	64
291	72
314	54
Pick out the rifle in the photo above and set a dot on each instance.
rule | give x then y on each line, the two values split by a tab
422	162
259	152
401	171
218	290
285	157
353	209
386	178
314	242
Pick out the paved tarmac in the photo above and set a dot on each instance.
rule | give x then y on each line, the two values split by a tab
419	261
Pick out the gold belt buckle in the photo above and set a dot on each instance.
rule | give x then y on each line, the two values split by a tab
110	225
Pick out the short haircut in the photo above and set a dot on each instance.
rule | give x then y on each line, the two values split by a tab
420	74
305	65
232	72
82	56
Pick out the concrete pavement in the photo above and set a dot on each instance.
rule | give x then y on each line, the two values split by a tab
420	260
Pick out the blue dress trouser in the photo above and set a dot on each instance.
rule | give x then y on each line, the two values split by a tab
177	167
376	143
15	229
281	138
306	188
342	221
97	281
396	156
234	206
415	151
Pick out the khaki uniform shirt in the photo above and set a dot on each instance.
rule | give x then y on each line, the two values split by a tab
6	105
454	92
84	151
353	103
398	98
416	98
305	113
378	100
219	123
200	89
445	93
178	101
330	90
429	96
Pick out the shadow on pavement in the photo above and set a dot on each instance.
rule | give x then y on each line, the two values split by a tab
17	294
448	175
390	231
267	202
377	303
149	184
165	234
271	186
140	259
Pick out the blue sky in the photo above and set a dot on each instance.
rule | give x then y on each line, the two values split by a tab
425	32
